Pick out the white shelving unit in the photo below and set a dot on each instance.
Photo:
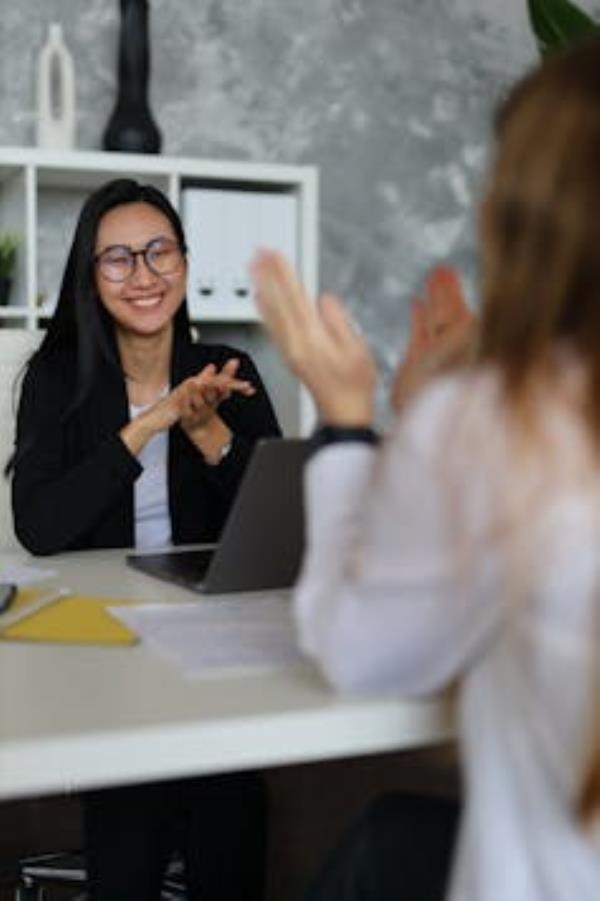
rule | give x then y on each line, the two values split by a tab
41	193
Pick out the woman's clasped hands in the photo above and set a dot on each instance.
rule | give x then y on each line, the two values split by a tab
193	404
197	399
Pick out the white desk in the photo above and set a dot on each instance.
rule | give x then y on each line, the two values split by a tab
80	717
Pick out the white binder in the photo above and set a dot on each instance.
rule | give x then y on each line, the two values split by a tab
224	229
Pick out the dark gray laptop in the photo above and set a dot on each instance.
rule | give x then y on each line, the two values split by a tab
262	543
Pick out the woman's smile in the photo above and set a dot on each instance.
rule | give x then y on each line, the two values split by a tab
148	301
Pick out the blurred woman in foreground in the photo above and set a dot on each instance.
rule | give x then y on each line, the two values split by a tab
466	547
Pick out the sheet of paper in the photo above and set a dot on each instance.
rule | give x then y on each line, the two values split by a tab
209	635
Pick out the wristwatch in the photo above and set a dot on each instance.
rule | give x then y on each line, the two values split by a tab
336	434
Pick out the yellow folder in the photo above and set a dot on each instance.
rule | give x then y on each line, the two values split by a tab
74	619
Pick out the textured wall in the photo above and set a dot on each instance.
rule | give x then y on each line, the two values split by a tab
390	98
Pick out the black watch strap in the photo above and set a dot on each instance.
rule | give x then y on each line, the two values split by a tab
337	434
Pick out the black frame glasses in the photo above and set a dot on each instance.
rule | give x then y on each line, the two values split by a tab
162	256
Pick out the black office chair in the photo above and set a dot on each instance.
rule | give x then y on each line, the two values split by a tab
65	870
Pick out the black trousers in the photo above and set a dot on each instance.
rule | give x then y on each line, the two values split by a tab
400	849
217	823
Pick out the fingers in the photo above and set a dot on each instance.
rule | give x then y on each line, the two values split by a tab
275	279
337	321
210	379
344	347
203	393
222	388
441	308
418	337
193	405
282	302
455	346
445	304
231	367
442	334
298	326
224	384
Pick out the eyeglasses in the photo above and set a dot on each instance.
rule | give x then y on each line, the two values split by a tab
162	257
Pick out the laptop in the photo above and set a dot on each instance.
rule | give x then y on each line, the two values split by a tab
262	542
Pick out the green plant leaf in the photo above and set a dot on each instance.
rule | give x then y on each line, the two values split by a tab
8	253
556	23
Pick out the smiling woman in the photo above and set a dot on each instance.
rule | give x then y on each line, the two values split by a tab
117	379
138	436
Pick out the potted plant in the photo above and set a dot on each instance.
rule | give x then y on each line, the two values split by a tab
558	22
8	256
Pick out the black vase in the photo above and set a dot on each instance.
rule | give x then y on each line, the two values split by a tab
131	127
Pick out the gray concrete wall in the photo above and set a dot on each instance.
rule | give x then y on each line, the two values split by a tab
390	98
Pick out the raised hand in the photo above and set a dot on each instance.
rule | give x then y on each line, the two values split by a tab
442	335
318	341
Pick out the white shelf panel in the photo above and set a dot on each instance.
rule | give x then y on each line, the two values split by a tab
74	162
14	312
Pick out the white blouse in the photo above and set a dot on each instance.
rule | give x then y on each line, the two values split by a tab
453	552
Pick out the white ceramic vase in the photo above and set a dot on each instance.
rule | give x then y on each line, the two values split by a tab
55	93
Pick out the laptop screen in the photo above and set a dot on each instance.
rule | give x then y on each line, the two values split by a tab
263	539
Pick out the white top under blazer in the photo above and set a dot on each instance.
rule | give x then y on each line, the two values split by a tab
152	520
451	553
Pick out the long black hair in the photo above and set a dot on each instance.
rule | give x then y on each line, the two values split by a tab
81	328
80	324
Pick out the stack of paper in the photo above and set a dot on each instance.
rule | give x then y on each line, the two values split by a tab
246	632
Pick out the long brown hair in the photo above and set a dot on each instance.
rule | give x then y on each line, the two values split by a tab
540	237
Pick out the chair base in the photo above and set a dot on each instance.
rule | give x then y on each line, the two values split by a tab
39	874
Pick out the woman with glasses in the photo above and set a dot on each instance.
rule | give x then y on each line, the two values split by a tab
135	433
130	434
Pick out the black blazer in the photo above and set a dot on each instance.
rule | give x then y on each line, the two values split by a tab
73	480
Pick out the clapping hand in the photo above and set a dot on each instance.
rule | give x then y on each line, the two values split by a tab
197	399
323	348
442	335
194	405
318	341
